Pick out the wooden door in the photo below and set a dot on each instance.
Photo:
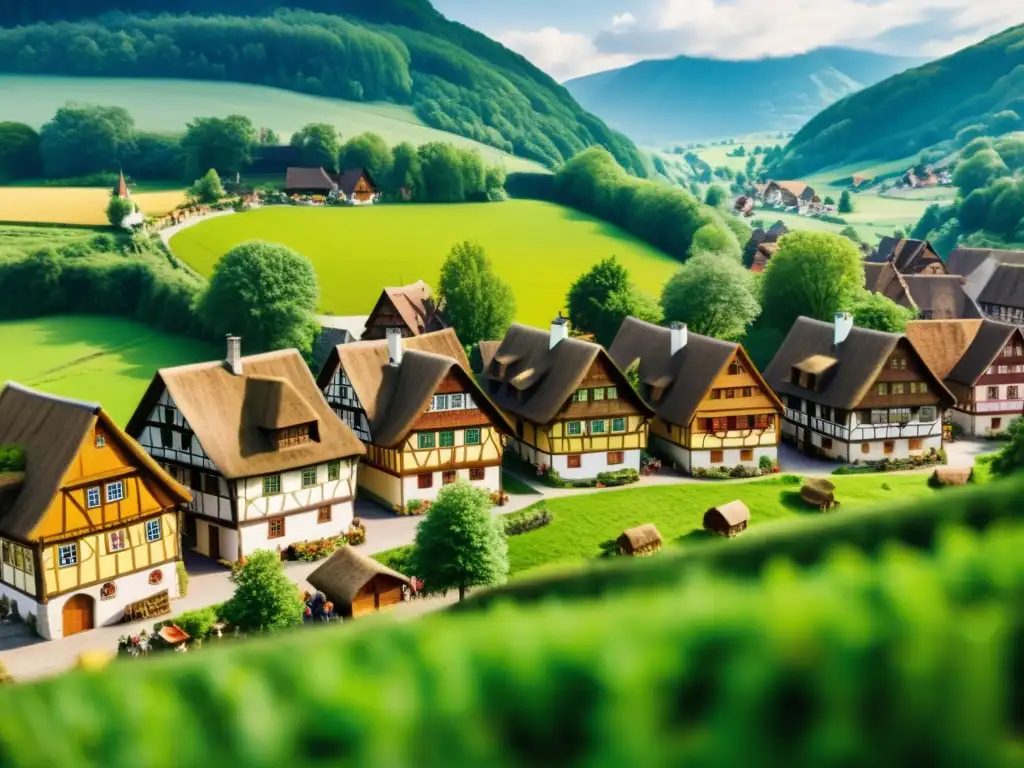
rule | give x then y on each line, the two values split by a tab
78	614
214	548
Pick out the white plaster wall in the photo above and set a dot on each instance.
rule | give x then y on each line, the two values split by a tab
731	457
671	452
228	541
490	483
592	464
297	528
253	505
981	424
901	449
26	605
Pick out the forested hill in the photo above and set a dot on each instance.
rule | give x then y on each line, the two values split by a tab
404	51
915	110
658	102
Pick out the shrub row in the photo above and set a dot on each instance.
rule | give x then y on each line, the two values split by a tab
527	520
906	660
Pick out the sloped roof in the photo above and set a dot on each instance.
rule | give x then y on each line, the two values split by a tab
686	376
230	415
963	261
941	295
414	304
345	572
942	342
308	178
641	536
860	358
51	430
734	513
986	346
348	179
1005	287
795	187
555	373
394	397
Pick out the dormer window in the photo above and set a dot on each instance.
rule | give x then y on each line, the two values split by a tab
101	441
289	437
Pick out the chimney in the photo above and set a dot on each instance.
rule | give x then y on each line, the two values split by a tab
680	335
234	358
559	330
394	336
843	326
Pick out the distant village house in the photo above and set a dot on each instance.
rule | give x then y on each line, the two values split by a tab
411	309
355	186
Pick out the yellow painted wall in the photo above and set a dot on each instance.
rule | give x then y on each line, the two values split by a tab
96	563
489	450
380	484
556	440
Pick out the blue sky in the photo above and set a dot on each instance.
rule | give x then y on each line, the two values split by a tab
569	38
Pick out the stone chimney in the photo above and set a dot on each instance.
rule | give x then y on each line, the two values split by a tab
843	326
559	330
394	336
234	358
680	335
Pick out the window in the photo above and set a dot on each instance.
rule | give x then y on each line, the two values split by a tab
915	444
456	401
899	415
449	477
897	388
889	447
574	428
763	421
748	391
865	447
472	436
156	577
580	396
67	554
881	388
92	498
477	473
116	542
598	394
211	486
997	423
993	393
1012	393
271	485
425	440
440	402
308	477
275	528
597	427
716	457
1002	369
447	439
928	413
720	425
747	454
292	436
425	480
618	425
115	491
730	394
615	458
1008	352
611	393
736	368
186	441
101	441
334	470
716	394
574	461
108	590
323	515
153	530
826	443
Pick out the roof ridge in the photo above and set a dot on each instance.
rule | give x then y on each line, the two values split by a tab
87	405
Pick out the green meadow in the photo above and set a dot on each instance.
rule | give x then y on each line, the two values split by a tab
98	359
539	248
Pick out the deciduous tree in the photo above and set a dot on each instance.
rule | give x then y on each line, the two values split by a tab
80	140
459	543
477	303
19	152
369	151
980	170
318	146
715	196
207	189
117	209
265	599
713	295
603	297
875	311
224	143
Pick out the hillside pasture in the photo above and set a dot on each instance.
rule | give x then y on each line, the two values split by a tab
539	248
83	206
98	359
165	106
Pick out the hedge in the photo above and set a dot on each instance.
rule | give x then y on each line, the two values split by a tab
908	659
805	541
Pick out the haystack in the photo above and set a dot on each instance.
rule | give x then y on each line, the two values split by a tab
642	540
727	519
945	476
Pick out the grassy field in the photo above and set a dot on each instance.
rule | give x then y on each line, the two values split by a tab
19	239
539	248
582	523
75	205
165	106
99	359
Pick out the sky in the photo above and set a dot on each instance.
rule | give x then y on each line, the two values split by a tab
570	38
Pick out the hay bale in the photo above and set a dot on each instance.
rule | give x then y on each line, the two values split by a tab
642	540
946	476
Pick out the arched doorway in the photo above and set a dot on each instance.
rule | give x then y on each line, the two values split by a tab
79	614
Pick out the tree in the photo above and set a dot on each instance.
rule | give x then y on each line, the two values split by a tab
603	297
208	189
974	146
442	173
813	274
713	295
716	238
846	202
1004	122
224	143
85	139
1010	150
265	293
930	220
265	599
980	170
966	135
117	209
715	196
406	171
829	200
269	137
460	544
369	151
19	152
318	146
851	233
1011	458
477	303
875	311
900	234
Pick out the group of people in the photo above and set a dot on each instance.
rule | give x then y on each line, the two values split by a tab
318	608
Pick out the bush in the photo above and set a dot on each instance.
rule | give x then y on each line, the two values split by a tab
618	477
414	507
766	464
397	559
196	624
527	520
320	549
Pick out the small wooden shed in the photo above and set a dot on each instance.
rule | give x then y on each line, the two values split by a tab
642	540
727	519
357	584
820	493
945	476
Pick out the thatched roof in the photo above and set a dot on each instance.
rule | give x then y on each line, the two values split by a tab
734	513
942	297
961	350
414	304
687	376
947	476
820	484
536	380
641	536
230	415
346	572
51	430
395	396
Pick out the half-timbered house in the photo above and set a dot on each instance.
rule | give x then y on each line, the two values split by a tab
931	296
358	186
90	528
909	257
410	308
712	408
982	364
856	394
424	419
574	410
268	463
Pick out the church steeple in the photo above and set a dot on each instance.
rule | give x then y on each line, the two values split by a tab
121	190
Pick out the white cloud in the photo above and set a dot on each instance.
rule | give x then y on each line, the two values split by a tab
623	21
563	55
